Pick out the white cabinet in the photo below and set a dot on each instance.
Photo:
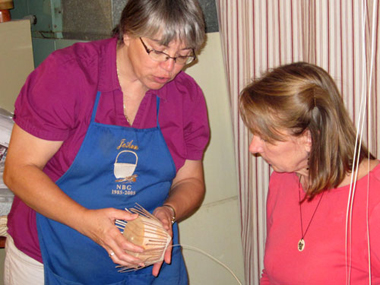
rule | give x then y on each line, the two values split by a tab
16	60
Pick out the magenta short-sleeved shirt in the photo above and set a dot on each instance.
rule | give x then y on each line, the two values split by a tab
56	104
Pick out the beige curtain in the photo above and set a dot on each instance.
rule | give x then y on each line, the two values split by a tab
342	36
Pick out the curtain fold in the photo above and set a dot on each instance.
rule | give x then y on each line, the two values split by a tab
340	36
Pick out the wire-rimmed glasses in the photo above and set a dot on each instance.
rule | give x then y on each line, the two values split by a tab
161	56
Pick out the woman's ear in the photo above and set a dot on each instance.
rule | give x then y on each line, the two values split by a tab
306	140
126	39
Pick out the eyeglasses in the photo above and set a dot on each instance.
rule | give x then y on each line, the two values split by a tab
161	56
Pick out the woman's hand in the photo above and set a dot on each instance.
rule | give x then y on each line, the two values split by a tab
99	225
40	193
165	215
185	196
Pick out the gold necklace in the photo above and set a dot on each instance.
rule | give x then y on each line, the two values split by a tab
301	242
124	108
125	113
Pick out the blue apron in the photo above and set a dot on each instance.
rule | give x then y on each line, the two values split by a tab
115	167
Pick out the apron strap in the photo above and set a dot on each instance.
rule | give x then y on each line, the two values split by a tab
95	106
97	103
157	110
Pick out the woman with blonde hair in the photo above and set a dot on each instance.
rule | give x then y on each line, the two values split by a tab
301	128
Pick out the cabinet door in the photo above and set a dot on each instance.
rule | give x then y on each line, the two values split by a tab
16	60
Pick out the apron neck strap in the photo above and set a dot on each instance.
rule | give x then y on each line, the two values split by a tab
97	103
95	106
157	109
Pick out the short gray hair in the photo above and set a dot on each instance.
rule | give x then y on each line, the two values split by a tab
173	19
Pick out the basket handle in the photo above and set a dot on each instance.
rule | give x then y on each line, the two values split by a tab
127	151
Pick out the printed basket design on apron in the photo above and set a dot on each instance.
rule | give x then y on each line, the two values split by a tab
124	170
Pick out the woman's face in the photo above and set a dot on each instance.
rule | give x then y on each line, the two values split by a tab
289	155
153	74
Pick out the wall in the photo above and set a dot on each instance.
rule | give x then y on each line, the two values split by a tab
215	228
16	60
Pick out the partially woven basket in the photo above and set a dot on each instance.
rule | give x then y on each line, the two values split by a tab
146	231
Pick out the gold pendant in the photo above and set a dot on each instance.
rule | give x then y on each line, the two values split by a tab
301	245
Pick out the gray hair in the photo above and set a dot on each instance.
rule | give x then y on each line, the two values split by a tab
172	19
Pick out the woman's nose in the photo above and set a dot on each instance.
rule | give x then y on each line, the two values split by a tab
169	64
256	145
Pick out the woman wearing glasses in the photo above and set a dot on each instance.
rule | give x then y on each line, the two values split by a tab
99	127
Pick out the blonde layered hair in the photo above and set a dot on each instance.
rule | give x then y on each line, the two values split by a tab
301	97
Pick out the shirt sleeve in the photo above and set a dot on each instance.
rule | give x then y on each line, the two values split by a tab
374	240
269	208
374	221
196	125
48	101
264	280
